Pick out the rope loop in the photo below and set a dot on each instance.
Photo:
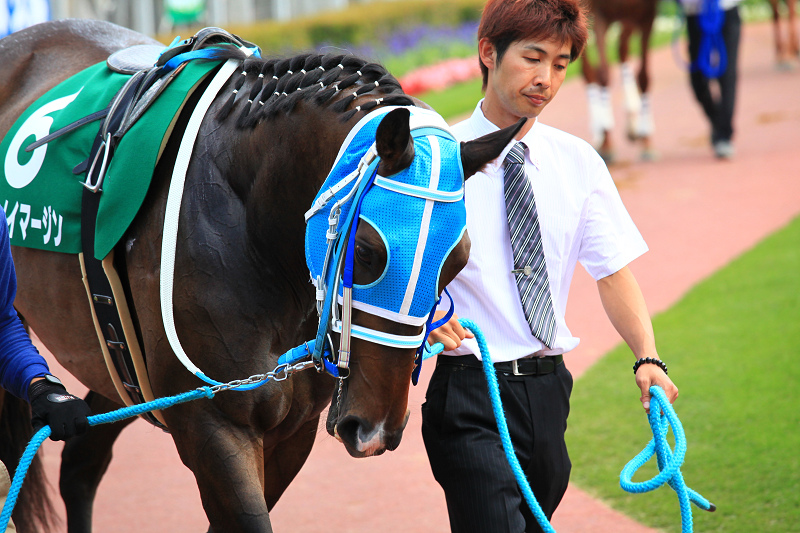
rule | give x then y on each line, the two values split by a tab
662	416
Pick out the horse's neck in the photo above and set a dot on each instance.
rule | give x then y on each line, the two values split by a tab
277	168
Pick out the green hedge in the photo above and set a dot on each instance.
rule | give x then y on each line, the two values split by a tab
359	24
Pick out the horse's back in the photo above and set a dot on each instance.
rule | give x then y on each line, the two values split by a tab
37	58
51	295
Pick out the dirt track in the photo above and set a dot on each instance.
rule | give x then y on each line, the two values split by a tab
695	212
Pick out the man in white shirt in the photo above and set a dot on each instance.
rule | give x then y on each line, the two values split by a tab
525	47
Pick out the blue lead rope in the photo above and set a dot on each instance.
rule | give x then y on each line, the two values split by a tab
114	416
661	417
668	463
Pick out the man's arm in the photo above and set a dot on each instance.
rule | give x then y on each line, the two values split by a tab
625	306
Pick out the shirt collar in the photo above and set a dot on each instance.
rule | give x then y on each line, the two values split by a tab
482	126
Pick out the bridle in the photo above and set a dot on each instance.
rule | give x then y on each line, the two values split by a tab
334	281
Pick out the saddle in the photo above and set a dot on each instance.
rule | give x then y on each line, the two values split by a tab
152	68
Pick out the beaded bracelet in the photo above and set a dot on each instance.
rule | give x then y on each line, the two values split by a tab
651	361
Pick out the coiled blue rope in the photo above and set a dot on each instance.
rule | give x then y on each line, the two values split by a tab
668	463
104	418
661	417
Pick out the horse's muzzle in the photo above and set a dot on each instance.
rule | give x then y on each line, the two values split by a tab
363	440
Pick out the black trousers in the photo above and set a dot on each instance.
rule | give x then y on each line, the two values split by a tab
466	453
718	108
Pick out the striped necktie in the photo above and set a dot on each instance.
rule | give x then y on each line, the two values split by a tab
530	268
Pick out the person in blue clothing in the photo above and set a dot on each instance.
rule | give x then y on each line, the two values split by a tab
24	372
714	28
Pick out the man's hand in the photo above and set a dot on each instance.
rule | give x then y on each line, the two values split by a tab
450	334
648	375
53	406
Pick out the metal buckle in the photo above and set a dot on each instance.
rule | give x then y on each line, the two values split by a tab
515	368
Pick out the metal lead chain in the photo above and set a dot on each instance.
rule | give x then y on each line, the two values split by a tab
339	395
280	373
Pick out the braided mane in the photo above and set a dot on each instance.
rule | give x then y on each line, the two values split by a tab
277	85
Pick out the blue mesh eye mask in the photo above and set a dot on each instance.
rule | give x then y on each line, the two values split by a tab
418	212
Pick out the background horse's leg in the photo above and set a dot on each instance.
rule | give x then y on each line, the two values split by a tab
646	121
283	461
794	39
630	88
780	53
600	108
84	461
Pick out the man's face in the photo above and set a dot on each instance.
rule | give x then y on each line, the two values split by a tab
525	81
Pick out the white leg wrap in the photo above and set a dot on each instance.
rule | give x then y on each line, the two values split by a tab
607	111
646	122
595	121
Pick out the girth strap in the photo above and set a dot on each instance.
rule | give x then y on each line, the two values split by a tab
106	303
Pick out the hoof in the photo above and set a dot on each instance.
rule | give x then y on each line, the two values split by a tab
608	156
648	155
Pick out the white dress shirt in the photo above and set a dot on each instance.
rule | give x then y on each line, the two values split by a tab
581	216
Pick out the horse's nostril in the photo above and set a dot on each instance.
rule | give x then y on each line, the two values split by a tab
347	430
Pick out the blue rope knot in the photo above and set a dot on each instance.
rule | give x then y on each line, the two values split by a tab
661	417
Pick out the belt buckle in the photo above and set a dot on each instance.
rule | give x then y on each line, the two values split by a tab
515	368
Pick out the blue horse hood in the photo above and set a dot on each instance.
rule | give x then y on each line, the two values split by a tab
419	213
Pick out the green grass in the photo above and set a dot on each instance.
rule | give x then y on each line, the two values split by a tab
732	346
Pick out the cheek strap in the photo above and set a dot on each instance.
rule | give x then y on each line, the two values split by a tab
430	326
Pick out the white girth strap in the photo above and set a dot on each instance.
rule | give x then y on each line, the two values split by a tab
170	237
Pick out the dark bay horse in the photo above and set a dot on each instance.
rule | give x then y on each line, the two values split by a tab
241	290
634	16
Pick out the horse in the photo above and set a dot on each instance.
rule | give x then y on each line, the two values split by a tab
241	294
634	16
788	49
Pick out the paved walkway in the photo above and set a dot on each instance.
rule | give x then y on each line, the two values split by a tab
696	214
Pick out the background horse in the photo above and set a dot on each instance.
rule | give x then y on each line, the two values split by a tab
788	49
634	16
241	291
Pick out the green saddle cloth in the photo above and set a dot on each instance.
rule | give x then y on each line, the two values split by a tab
39	192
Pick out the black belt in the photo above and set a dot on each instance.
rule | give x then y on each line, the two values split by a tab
526	366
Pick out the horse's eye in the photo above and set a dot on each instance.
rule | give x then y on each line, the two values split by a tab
363	254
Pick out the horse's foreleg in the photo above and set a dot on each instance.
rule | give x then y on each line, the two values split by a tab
646	124
283	461
780	52
605	112
84	461
630	89
601	116
794	39
227	461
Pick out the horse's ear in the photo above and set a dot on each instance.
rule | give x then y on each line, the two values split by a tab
394	143
477	153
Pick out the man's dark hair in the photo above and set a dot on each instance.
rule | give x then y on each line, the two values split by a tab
506	21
